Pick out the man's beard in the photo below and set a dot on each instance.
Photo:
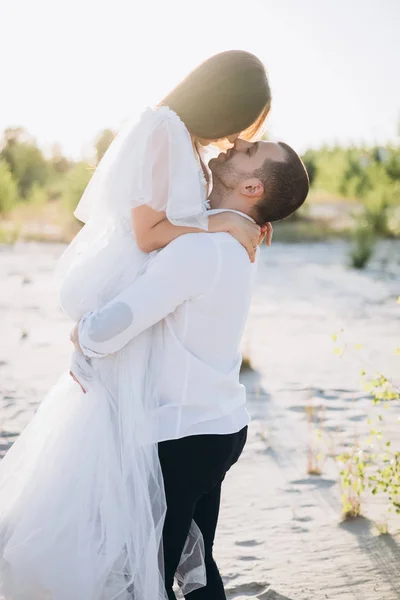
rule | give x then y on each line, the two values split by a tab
225	178
224	183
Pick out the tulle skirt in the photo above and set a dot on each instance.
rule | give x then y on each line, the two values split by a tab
82	500
81	495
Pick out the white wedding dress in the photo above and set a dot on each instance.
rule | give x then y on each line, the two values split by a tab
81	493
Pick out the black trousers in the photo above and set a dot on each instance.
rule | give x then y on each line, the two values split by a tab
193	470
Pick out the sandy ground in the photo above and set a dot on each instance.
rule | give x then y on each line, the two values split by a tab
280	535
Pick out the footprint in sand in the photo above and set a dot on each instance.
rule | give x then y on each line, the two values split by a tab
271	595
320	482
255	591
248	543
247	590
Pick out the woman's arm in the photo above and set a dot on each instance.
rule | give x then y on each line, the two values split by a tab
153	230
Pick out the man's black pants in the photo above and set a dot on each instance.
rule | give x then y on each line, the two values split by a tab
193	470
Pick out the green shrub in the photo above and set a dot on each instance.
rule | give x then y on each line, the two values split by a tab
363	245
371	175
74	184
38	196
8	189
310	162
25	160
11	234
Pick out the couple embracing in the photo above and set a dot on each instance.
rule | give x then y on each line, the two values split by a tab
113	489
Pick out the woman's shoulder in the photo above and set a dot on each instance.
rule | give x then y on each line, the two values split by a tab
158	115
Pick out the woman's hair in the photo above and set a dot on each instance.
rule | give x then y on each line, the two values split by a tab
228	93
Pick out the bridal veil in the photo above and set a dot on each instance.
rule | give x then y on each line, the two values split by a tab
81	493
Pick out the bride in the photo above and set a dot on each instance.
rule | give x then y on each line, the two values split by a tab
81	493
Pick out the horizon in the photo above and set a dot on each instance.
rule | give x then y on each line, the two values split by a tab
89	67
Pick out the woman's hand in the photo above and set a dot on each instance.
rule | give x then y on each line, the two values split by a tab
74	338
246	232
266	234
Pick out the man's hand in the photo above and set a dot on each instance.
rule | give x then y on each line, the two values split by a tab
74	337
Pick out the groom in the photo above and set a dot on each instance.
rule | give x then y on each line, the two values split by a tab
198	289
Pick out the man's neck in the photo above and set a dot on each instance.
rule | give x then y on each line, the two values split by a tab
228	201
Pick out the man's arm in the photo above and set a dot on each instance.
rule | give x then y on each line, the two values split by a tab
186	268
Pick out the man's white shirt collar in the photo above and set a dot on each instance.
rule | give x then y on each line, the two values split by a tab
214	211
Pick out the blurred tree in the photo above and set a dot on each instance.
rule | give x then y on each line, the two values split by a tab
74	184
59	163
14	135
392	165
330	166
363	245
103	142
8	189
38	196
369	175
354	180
309	160
25	160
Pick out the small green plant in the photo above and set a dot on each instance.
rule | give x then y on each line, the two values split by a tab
381	472
246	360
246	364
315	454
386	475
387	479
376	467
363	245
382	527
352	481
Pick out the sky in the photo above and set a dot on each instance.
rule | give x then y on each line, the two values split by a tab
72	68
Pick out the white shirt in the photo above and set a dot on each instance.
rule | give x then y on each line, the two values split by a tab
198	290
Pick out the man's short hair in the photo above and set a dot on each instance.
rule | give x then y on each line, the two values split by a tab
286	186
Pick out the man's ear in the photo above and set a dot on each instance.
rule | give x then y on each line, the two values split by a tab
252	188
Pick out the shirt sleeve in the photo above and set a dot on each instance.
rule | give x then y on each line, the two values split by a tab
185	269
167	175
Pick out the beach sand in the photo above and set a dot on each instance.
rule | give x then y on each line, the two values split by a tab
281	536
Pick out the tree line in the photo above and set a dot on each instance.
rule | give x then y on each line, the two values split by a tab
28	176
369	175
